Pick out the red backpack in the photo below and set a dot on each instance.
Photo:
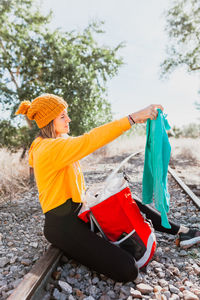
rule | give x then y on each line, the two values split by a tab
119	219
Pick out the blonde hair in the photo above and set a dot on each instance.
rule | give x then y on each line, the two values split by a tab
47	131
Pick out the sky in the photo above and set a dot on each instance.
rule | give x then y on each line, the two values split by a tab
140	24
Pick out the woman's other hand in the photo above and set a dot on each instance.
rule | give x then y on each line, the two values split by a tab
150	112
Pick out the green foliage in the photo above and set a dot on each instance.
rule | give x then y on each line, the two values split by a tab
183	24
34	60
16	138
183	30
8	135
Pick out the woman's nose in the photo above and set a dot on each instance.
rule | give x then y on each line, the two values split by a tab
68	119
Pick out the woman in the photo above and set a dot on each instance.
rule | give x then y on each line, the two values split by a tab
61	185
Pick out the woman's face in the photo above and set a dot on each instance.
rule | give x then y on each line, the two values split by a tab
61	123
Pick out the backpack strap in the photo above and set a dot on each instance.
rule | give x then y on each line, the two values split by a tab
119	167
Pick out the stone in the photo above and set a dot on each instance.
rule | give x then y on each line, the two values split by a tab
56	275
144	288
187	295
104	297
163	282
139	279
164	289
180	294
71	297
34	244
174	297
135	293
159	251
47	296
188	283
167	294
173	289
157	289
63	296
3	288
13	259
177	215
125	290
111	294
71	280
196	269
93	290
3	262
56	294
79	293
196	291
174	270
158	269
161	274
95	280
182	288
26	262
10	244
65	286
182	253
16	283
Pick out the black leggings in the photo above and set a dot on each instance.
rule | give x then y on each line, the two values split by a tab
66	231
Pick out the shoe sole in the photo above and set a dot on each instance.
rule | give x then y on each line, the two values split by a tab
189	243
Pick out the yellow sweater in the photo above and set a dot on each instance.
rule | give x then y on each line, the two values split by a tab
56	167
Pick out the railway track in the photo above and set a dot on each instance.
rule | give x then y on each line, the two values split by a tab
32	286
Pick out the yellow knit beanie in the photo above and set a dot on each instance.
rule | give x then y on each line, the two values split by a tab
42	109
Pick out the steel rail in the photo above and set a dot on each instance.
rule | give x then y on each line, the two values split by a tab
186	189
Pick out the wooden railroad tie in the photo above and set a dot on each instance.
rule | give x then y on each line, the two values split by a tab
29	287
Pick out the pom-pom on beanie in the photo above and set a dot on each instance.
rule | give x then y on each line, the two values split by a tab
42	109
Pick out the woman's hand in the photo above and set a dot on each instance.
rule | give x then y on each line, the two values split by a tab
150	112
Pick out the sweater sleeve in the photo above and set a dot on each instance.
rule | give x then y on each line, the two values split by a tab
66	151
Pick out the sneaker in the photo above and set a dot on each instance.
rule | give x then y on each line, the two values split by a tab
190	238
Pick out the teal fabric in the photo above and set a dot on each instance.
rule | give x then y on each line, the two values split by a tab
157	156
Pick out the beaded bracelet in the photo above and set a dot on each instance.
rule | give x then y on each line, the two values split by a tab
131	121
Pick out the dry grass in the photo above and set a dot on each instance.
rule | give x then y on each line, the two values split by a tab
186	148
14	175
123	144
183	148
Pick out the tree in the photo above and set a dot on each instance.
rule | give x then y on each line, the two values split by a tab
35	60
183	29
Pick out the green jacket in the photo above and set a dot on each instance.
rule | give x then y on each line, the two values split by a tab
157	156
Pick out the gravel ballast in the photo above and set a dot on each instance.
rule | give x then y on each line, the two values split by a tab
173	273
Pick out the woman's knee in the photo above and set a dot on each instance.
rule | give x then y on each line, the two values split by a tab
128	272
